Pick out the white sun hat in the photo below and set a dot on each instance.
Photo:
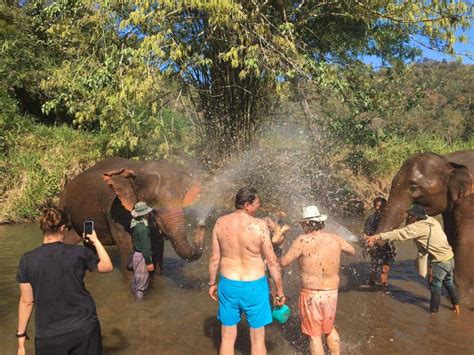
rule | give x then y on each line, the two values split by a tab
311	213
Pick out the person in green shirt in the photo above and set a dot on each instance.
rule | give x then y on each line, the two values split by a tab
142	258
429	238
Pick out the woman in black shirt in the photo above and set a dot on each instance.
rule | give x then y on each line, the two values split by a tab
51	279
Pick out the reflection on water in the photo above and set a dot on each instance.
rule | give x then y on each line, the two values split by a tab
179	318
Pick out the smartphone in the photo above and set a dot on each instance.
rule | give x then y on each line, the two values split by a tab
88	227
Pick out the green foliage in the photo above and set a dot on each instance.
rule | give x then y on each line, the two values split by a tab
24	58
232	56
389	156
124	74
445	105
38	161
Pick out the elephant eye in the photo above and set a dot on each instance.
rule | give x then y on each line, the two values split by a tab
414	188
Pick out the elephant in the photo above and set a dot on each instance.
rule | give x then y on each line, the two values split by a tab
443	185
107	192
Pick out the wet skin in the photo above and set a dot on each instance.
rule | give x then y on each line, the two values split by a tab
318	254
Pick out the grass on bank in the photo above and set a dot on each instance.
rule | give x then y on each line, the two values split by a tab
389	156
37	162
370	171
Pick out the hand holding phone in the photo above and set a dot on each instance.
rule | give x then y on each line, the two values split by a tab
88	227
88	230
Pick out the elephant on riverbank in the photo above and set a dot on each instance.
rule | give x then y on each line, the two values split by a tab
107	192
442	184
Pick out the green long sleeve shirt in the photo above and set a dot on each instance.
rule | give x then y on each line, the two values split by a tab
142	241
439	248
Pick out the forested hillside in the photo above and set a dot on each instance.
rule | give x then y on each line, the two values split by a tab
80	81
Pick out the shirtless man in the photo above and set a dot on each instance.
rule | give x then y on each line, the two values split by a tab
240	243
319	255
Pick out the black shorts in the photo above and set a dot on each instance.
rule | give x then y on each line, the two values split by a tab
382	255
85	341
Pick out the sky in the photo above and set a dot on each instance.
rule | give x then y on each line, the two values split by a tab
459	48
435	55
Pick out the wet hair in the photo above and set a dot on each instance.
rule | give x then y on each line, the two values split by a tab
53	219
245	194
312	226
381	200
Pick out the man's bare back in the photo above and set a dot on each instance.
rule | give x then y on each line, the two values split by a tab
240	243
318	254
241	240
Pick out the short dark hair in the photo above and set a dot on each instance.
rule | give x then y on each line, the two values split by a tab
245	194
380	199
312	226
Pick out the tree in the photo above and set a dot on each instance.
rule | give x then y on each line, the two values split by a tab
231	55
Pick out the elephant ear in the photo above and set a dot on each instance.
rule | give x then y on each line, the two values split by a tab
460	182
121	182
192	194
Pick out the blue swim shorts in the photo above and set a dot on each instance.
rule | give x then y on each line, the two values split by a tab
250	297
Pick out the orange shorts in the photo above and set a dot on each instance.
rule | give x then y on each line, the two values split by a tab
317	311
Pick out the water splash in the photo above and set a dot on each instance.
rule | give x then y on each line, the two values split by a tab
277	167
337	228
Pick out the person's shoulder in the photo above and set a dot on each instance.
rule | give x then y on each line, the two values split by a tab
259	221
333	237
371	216
74	248
32	253
428	221
224	219
336	236
140	227
303	238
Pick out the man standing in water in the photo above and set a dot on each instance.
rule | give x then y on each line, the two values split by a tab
142	261
429	238
240	243
319	255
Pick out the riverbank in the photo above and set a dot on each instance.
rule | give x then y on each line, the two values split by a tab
40	159
37	162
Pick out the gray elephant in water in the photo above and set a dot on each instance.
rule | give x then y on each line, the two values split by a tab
107	192
441	184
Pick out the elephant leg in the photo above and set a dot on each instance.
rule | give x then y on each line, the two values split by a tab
449	226
123	240
464	248
464	271
158	245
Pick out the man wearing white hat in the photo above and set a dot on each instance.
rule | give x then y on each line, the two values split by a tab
319	255
142	261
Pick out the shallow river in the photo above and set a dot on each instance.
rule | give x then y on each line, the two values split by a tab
179	318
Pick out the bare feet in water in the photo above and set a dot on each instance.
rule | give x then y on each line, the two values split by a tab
457	309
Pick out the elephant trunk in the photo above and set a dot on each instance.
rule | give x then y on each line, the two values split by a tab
171	221
394	213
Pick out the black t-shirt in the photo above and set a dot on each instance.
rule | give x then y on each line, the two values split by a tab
372	223
56	273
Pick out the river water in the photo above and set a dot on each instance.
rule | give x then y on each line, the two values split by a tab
178	317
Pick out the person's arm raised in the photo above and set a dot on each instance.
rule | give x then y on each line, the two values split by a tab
105	265
346	247
214	261
292	254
